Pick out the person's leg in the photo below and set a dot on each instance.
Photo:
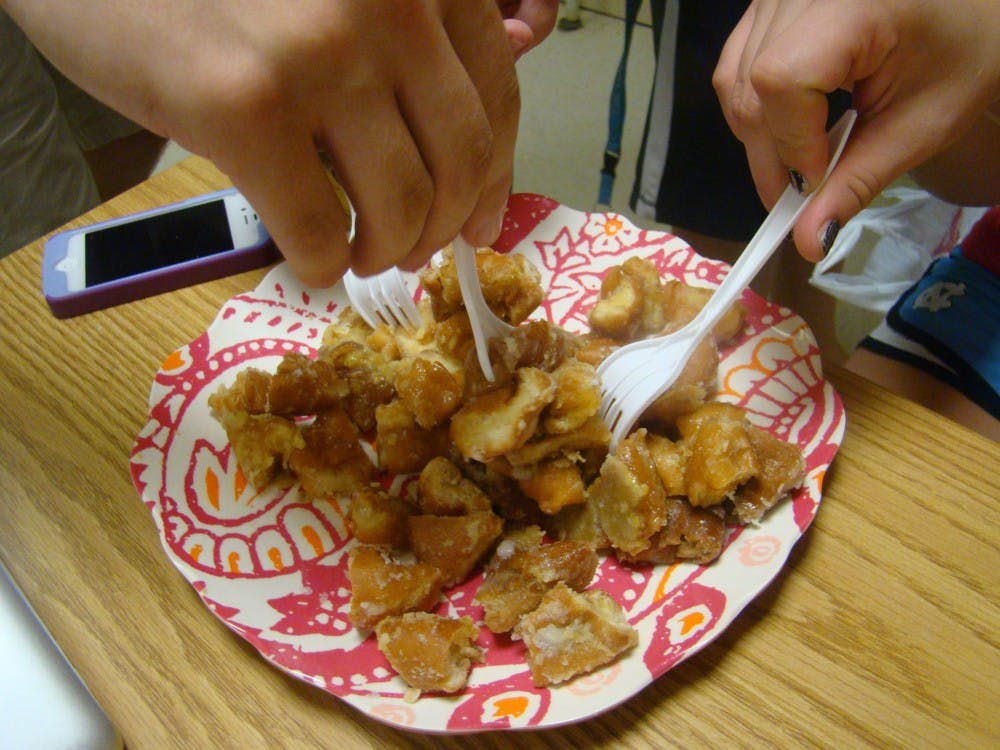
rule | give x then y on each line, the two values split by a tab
692	172
124	163
939	345
120	153
44	179
925	389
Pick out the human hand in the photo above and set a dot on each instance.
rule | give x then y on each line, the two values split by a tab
528	22
922	75
414	104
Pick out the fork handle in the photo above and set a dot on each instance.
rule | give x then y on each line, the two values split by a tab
769	236
464	256
758	251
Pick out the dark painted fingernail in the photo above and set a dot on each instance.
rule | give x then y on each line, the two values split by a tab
798	181
828	235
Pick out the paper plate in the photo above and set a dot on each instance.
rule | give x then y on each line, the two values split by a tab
273	566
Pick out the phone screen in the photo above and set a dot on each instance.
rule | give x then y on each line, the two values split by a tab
157	241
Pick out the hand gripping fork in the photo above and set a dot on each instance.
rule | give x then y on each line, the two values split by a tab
637	374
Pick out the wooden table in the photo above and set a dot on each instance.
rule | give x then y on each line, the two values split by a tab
882	630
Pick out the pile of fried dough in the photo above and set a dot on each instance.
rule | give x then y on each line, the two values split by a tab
514	477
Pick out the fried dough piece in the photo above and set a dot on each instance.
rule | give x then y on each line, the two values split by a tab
376	517
592	435
537	343
628	496
692	534
395	343
382	586
554	485
403	446
430	392
502	420
303	386
443	491
577	398
780	468
683	302
262	443
618	312
348	326
572	563
688	424
332	460
695	385
580	523
523	569
511	285
503	492
506	595
633	302
721	456
453	544
573	633
299	386
735	459
515	541
453	336
430	652
721	459
248	393
595	349
369	380
653	316
669	460
383	341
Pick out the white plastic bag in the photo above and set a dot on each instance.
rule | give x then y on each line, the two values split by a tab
904	236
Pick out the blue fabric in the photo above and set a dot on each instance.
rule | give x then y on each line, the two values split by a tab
954	311
616	110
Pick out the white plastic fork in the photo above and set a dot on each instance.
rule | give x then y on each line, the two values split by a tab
634	376
485	323
383	298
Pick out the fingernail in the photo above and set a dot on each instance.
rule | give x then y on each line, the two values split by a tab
828	235
486	233
798	181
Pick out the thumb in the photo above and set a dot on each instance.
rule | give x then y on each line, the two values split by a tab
519	35
878	152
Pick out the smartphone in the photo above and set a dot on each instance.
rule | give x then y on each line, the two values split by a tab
154	251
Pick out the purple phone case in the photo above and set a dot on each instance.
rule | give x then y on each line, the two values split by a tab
68	304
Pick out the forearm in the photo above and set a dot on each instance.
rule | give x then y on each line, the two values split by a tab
110	48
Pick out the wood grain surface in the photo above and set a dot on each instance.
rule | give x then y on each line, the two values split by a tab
881	631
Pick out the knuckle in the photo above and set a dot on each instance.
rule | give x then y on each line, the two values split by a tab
723	81
477	156
770	76
415	196
744	110
315	234
862	186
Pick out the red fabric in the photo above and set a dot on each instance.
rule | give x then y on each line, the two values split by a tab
982	243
